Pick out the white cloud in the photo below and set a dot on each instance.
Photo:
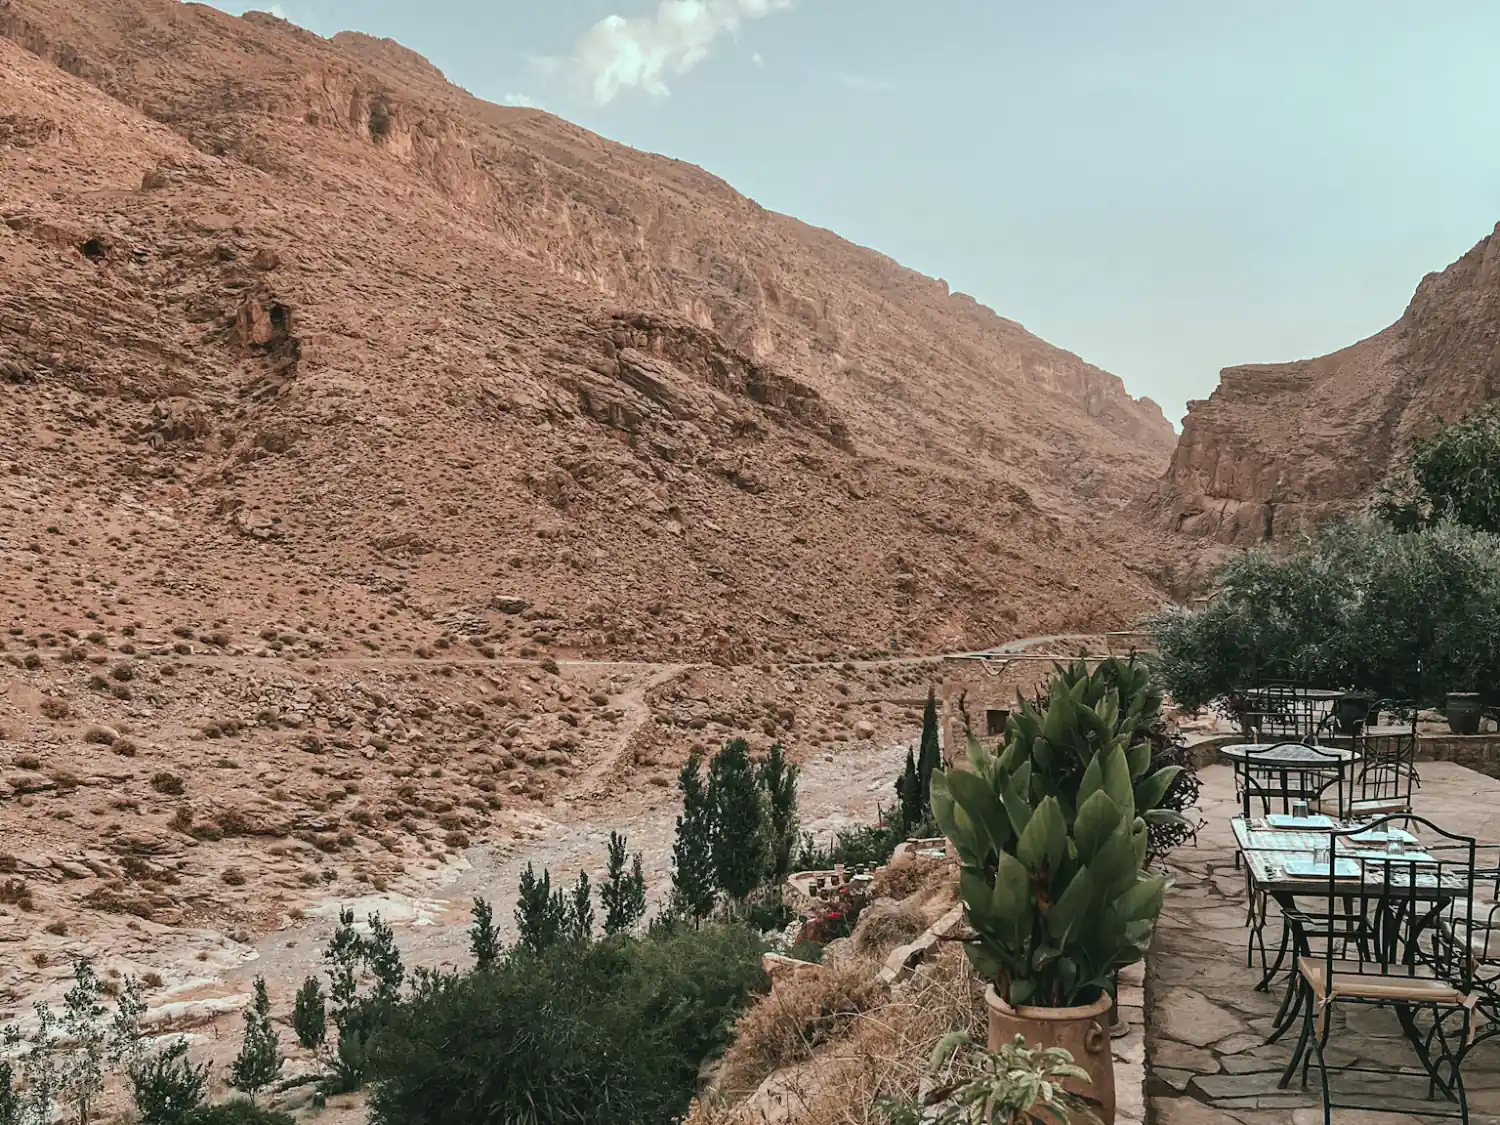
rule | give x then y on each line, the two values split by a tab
641	52
522	101
758	59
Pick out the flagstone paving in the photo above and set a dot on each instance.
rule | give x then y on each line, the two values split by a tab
1208	1062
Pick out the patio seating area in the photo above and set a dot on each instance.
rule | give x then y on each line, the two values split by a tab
1380	933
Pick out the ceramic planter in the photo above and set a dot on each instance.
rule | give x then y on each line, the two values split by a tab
1464	712
1349	713
1083	1032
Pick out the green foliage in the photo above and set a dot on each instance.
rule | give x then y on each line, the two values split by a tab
82	1071
357	1017
259	1060
869	845
930	756
1016	1085
627	1026
541	913
1051	835
737	838
484	942
1402	616
237	1113
623	893
11	1103
383	960
41	1066
778	780
693	880
310	1015
166	1086
809	951
580	919
909	790
1454	475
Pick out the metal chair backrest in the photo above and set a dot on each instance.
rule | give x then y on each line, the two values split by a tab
1409	913
1287	772
1387	767
1285	711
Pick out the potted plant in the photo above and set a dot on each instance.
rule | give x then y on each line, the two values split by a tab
1051	836
1464	709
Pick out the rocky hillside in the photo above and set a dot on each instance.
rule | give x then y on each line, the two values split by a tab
1278	449
295	333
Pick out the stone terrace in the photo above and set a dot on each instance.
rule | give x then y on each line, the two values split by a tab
1208	1061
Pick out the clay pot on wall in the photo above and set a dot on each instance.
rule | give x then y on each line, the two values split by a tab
1083	1032
1464	712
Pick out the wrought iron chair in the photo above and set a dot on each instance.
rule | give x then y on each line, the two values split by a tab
1382	783
1391	933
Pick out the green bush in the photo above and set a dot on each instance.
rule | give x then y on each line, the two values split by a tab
166	1086
1453	475
613	1031
1407	617
237	1113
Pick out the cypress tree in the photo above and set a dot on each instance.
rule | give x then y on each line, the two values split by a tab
909	789
692	851
538	911
580	916
930	756
259	1060
737	834
623	892
483	939
309	1015
778	778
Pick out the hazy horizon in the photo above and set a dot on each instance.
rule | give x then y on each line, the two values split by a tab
1161	188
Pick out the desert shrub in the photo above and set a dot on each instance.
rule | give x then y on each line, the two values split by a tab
869	845
168	783
577	1033
1404	616
166	1086
885	924
787	1025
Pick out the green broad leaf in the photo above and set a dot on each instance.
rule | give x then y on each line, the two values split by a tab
1043	956
1011	899
974	796
1017	806
985	963
1022	989
1138	758
1117	781
980	758
1093	779
1044	841
1150	790
978	897
1115	868
1163	816
942	805
1072	909
1143	901
1096	822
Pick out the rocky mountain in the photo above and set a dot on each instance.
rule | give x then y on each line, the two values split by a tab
1278	449
293	331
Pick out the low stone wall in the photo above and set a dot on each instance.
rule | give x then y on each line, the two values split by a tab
1478	752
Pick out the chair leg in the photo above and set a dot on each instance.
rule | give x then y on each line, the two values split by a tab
1302	1041
1291	1008
1318	1044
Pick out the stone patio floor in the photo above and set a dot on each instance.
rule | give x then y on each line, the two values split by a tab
1208	1062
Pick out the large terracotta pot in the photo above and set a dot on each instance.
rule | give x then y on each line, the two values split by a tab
1083	1032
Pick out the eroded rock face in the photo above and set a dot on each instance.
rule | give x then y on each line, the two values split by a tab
1279	449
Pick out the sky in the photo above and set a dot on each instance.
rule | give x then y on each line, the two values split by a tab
1165	187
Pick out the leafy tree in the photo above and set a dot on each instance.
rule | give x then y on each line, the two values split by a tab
909	790
41	1067
1452	475
126	1036
693	885
166	1086
310	1015
623	893
541	912
11	1104
483	940
778	778
580	913
1407	617
384	960
237	1113
83	1068
259	1060
737	837
930	754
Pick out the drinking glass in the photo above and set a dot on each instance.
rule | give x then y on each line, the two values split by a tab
1394	845
1299	809
1321	856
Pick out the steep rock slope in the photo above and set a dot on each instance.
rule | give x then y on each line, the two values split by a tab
295	333
1278	449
